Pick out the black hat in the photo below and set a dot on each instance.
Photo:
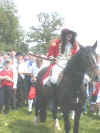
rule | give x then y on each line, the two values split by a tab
67	31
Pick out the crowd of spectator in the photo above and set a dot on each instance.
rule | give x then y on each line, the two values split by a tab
18	76
92	93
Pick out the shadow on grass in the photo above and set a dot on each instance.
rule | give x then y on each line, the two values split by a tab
94	130
89	130
94	117
26	126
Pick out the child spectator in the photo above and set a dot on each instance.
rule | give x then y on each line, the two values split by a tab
6	75
20	92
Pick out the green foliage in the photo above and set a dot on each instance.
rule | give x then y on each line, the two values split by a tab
48	28
39	49
11	34
23	48
5	47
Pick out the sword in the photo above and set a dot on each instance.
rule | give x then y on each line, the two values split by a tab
51	59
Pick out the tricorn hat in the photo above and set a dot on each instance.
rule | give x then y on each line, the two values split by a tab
66	31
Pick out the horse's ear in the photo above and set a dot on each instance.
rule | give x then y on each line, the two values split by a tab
94	46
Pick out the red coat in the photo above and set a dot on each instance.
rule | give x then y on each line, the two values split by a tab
54	48
6	73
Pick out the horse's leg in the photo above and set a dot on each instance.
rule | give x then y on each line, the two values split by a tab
37	102
76	120
66	121
54	109
42	112
57	123
54	112
36	110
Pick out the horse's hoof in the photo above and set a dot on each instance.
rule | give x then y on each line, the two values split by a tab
57	125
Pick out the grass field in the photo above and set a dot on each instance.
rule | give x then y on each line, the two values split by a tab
21	122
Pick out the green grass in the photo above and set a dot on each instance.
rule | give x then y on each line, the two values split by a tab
21	122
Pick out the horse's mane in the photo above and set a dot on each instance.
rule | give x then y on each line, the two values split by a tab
74	62
72	75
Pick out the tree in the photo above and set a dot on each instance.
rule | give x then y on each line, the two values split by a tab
11	34
49	26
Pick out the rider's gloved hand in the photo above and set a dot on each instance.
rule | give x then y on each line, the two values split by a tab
52	59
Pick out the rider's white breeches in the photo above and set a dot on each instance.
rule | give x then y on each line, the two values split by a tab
56	70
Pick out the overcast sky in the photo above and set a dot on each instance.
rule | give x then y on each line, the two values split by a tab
83	16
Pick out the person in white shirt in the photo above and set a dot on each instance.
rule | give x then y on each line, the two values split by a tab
14	68
28	62
21	91
37	66
15	79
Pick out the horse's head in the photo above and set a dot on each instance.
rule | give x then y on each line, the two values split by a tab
89	59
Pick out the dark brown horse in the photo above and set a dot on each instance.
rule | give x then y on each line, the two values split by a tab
70	94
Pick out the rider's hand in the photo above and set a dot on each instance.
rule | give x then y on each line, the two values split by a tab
51	58
34	79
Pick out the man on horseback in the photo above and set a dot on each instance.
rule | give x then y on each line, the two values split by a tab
68	48
69	45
